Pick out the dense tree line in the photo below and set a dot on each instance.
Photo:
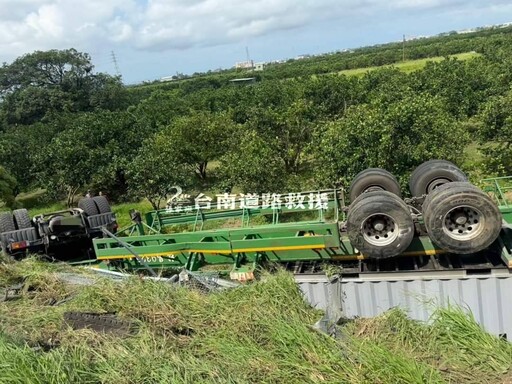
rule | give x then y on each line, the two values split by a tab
67	129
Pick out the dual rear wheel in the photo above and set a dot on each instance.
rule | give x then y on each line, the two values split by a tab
458	217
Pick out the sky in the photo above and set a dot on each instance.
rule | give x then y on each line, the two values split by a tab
151	39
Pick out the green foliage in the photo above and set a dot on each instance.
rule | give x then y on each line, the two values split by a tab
396	137
300	125
93	152
7	188
496	135
456	81
154	171
41	83
197	139
254	166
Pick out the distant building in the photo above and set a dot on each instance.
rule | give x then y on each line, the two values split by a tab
244	64
259	67
168	78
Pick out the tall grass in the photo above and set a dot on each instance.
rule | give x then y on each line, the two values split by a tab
260	332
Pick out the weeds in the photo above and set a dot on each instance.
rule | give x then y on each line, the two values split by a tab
260	332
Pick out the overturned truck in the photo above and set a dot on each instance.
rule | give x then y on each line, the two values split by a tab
62	235
446	223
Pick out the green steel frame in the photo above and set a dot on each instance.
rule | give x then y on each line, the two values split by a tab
500	188
238	251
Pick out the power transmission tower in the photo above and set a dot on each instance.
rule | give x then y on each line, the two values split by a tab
248	58
403	50
114	60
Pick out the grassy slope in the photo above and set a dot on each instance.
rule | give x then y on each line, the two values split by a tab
408	66
260	332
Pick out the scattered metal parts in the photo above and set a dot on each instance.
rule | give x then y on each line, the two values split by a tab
13	292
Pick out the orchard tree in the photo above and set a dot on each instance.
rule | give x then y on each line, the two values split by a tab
455	82
253	164
161	109
289	120
20	148
396	137
7	188
198	139
154	172
92	153
495	135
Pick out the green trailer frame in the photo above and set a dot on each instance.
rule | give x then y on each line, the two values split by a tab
500	188
238	251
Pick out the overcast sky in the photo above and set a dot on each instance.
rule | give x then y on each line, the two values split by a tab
155	38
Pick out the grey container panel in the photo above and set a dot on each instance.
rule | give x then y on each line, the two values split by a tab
486	298
320	292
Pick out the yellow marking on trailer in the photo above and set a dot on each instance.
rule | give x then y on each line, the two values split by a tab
130	256
213	251
348	257
210	251
428	252
289	248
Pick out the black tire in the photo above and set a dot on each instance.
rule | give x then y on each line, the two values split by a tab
21	218
102	204
372	179
373	210
88	205
6	225
6	222
432	174
460	218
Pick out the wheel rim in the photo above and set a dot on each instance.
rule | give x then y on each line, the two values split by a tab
436	183
379	229
463	223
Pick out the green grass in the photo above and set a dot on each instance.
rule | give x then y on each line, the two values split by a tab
260	332
408	66
36	204
122	211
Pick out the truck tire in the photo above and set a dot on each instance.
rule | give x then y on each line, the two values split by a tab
460	218
88	205
379	225
6	222
6	225
102	204
372	179
22	218
432	174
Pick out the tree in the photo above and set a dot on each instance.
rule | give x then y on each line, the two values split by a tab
45	82
20	148
7	188
253	164
198	139
285	115
451	80
397	137
93	152
154	172
495	135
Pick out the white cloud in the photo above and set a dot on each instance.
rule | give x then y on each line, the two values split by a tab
153	25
